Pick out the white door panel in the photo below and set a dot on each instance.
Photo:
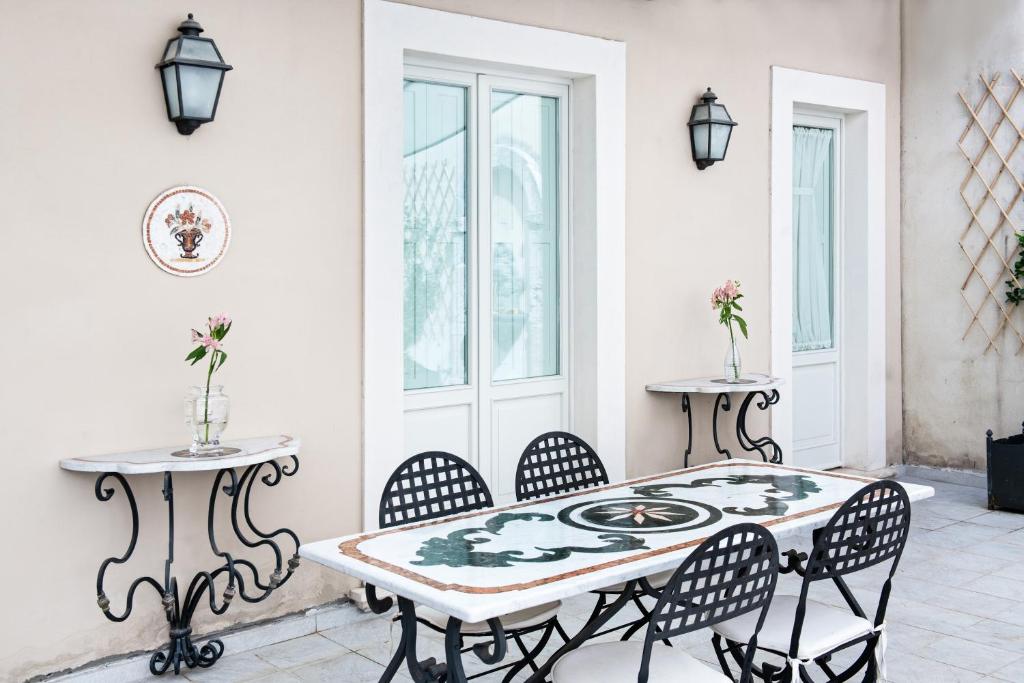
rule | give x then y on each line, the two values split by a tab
816	414
514	423
445	428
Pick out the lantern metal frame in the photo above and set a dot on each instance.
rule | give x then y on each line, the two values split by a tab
706	100
189	29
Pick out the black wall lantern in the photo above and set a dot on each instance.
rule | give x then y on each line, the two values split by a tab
710	130
192	73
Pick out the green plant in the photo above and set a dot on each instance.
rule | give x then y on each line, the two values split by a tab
1014	291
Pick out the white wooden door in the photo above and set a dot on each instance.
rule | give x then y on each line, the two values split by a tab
817	283
486	267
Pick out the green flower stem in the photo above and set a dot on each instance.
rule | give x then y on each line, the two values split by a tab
206	406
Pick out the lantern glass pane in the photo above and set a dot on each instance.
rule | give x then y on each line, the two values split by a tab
199	86
172	47
700	113
700	141
171	91
192	48
719	140
718	113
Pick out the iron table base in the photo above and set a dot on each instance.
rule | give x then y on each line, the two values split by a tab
764	445
241	577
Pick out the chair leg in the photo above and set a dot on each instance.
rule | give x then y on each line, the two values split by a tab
597	607
561	632
716	642
530	656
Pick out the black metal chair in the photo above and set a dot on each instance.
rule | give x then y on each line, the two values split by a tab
557	462
732	574
869	529
436	484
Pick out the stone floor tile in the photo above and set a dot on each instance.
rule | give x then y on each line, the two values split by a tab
300	651
1006	520
232	668
277	677
363	634
907	668
350	668
928	617
937	572
999	550
1013	673
969	655
1000	586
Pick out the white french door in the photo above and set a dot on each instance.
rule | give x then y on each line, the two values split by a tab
485	311
817	291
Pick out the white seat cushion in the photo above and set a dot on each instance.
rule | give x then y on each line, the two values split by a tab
619	662
825	627
524	618
656	580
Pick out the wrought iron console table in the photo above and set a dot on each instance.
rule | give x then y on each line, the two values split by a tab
254	455
763	387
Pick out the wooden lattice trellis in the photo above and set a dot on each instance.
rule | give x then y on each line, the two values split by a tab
992	190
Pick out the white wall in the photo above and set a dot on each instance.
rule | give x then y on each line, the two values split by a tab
953	389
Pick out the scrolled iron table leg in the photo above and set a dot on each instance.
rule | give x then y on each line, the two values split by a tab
179	611
721	400
427	671
689	429
592	626
762	444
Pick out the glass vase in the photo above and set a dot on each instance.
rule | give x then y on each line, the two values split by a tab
206	414
733	363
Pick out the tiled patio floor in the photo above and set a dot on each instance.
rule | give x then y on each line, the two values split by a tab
957	612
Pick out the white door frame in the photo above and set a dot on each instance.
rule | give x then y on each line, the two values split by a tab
393	33
863	103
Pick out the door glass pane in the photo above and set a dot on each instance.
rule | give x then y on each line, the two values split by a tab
813	239
436	244
524	236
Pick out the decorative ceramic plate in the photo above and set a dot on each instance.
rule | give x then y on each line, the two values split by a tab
186	231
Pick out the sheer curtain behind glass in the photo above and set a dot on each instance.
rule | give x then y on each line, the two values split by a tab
813	239
524	236
435	307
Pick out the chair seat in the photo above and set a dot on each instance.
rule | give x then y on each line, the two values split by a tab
656	580
825	627
619	662
514	621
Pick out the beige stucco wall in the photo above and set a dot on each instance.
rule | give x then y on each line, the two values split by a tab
953	389
94	334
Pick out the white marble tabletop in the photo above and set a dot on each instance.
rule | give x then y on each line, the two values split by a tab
490	562
251	452
718	385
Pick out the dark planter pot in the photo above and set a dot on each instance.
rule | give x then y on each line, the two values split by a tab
1005	472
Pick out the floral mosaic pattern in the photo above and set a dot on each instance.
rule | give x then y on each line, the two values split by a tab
781	488
458	549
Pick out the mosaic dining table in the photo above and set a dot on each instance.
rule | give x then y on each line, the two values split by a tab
478	566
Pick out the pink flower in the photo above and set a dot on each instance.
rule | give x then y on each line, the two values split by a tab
220	319
210	343
196	336
725	294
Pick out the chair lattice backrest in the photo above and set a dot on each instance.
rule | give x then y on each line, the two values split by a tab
557	462
870	528
432	485
730	574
